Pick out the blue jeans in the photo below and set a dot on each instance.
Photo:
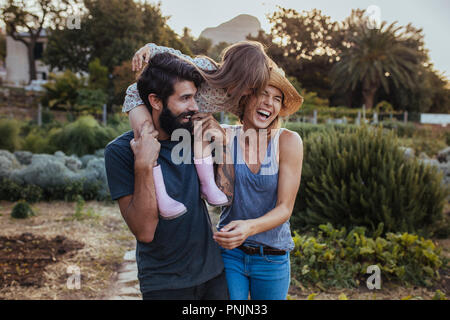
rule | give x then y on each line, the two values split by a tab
265	277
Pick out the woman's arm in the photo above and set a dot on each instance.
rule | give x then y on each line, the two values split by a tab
289	176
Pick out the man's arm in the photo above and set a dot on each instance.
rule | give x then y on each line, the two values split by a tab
140	210
131	182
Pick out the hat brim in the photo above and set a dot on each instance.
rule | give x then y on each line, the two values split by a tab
292	100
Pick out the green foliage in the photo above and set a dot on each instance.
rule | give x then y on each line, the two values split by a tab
421	139
309	44
83	136
12	191
98	75
439	295
78	95
90	101
81	213
62	91
306	129
22	210
112	30
361	178
122	78
37	141
375	56
9	131
300	41
384	106
339	258
430	147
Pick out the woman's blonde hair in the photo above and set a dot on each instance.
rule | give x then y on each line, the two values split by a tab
244	67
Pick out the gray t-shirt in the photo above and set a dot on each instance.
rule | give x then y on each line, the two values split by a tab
183	253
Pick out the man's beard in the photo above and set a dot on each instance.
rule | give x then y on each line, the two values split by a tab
170	122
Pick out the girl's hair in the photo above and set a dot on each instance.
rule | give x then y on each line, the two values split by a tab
244	67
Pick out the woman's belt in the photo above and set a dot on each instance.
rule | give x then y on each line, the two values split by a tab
257	250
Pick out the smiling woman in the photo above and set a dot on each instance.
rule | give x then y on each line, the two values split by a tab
254	232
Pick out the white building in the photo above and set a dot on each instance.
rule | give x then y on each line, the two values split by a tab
17	68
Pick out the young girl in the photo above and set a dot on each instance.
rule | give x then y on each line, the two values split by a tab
244	70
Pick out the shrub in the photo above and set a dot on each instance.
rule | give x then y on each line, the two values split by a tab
81	213
9	133
306	129
337	258
22	210
12	191
36	141
362	178
81	137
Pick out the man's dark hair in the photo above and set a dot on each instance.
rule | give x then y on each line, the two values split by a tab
160	75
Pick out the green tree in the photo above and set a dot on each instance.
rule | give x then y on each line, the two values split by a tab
111	30
304	44
372	56
216	51
26	20
200	46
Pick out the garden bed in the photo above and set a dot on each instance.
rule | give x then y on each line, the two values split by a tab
95	241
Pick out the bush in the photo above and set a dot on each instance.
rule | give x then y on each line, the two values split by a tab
81	137
362	178
9	133
306	129
22	210
81	213
337	258
13	191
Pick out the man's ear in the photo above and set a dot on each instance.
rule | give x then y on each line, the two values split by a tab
155	101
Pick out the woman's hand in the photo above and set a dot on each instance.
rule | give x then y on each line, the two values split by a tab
141	56
234	234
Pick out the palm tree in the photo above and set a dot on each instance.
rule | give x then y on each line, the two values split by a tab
372	55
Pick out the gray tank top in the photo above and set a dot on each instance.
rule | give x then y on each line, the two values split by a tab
256	194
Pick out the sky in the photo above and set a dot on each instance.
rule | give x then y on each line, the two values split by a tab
430	15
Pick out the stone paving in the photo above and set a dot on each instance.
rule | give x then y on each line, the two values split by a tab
127	284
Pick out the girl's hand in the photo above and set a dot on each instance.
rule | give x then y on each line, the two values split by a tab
234	234
141	56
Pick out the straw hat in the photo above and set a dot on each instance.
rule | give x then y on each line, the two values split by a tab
292	99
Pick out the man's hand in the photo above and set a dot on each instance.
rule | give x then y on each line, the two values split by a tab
146	147
233	234
140	57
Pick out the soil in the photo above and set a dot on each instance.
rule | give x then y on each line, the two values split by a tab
23	258
37	253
